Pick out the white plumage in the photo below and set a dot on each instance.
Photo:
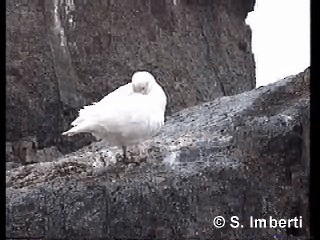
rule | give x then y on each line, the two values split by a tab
132	113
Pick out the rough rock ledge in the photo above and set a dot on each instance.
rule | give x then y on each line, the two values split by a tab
243	155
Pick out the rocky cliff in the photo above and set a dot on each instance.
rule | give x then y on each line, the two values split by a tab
64	54
243	155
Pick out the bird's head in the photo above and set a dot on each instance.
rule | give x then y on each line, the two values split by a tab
142	82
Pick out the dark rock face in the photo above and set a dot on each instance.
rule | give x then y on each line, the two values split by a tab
243	155
62	55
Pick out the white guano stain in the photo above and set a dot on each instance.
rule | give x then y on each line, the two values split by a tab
171	157
58	29
69	8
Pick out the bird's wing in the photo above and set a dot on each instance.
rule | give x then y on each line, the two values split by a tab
122	91
114	96
129	115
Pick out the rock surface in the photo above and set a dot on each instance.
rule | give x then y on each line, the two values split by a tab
243	155
63	54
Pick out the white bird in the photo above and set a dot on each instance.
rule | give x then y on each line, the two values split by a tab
132	113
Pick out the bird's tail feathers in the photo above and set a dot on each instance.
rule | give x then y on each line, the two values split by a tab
69	132
76	129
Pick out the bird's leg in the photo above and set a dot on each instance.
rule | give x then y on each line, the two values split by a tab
124	148
125	157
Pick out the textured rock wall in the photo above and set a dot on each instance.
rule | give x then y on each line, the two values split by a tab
62	54
244	155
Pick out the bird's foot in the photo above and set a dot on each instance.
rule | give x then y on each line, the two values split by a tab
131	160
127	160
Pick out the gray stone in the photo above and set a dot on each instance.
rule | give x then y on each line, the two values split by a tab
243	155
63	54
